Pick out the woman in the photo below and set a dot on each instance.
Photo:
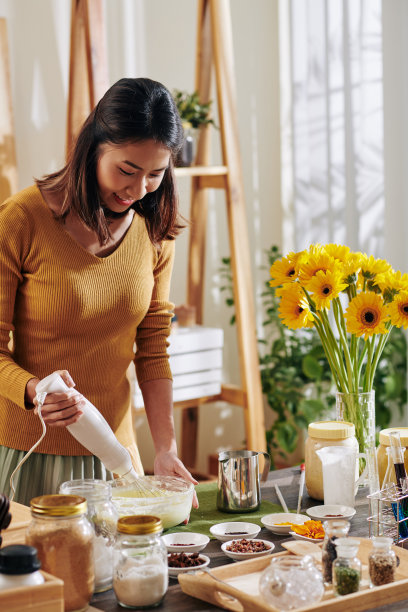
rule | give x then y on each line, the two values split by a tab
85	262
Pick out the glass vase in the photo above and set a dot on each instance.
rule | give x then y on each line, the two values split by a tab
359	409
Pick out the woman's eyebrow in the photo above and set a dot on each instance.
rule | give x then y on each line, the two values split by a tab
129	163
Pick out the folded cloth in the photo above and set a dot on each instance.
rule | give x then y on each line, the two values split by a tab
207	514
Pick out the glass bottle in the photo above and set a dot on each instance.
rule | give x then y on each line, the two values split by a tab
347	567
140	570
62	535
382	562
291	582
333	529
391	492
103	517
19	566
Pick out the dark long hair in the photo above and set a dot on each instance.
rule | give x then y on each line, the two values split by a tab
132	110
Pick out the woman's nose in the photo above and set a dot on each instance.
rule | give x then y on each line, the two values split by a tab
137	189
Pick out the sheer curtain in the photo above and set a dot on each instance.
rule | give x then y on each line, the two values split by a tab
332	123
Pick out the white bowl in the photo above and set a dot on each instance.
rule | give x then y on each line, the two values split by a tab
185	542
242	556
321	513
297	536
175	571
270	521
234	530
167	497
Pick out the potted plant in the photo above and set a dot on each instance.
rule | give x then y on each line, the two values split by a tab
194	115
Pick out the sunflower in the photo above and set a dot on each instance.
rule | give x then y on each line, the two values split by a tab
392	282
367	315
371	268
293	307
310	265
338	251
282	271
325	286
398	310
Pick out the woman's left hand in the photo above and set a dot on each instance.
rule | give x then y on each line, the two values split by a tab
168	464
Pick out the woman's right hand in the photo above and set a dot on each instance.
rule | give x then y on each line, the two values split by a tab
59	409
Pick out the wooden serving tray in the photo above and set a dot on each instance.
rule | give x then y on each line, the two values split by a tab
46	597
239	590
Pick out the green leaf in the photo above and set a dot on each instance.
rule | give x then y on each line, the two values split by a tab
311	367
287	437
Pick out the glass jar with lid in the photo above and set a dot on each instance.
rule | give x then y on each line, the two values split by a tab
333	529
347	567
382	562
291	582
62	535
103	516
382	458
321	434
140	570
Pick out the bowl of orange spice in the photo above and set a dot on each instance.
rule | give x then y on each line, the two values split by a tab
311	531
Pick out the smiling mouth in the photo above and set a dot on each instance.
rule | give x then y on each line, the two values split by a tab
122	202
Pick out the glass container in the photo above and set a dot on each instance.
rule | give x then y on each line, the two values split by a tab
321	434
140	575
347	567
103	517
382	562
382	457
289	583
333	529
62	535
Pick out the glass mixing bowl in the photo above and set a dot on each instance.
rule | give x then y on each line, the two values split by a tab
167	497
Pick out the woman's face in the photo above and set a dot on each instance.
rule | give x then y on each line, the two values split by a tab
125	173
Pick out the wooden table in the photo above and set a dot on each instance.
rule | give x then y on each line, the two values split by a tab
288	480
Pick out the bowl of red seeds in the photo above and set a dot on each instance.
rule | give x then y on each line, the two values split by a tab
181	562
242	549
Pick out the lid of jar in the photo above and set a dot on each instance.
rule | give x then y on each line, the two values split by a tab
18	559
347	547
384	436
382	542
58	505
331	430
139	524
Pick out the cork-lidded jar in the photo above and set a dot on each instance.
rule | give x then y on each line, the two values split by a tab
62	535
321	434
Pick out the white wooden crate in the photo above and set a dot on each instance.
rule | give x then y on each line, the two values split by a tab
195	361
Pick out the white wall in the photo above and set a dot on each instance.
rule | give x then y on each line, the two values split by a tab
156	38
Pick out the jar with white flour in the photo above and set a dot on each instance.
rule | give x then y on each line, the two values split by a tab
321	434
140	571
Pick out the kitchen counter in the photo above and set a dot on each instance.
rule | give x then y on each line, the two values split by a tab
288	480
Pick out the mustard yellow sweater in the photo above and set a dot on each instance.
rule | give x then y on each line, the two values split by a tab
69	309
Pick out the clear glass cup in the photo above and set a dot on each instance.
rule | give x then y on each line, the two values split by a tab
291	582
103	517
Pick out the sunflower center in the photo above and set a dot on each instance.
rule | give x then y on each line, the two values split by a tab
326	290
369	317
300	310
405	309
291	272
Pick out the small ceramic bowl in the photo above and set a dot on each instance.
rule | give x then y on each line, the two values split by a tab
271	521
234	530
185	542
242	556
297	536
175	571
331	512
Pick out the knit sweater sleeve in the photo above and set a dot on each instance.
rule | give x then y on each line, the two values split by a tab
151	359
15	242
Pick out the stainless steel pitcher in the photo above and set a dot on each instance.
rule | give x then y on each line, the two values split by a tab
238	480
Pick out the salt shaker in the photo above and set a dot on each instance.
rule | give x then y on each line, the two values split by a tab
347	567
19	566
140	575
103	517
382	562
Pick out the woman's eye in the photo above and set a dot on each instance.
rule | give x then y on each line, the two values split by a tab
124	172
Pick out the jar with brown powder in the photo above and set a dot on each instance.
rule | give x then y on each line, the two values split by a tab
62	535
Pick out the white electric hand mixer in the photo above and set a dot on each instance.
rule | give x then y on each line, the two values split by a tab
93	432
